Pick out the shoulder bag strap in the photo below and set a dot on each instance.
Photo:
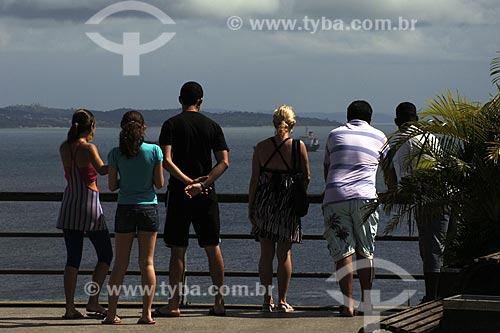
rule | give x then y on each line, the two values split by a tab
296	155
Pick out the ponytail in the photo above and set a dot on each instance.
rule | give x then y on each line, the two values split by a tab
283	129
132	133
284	120
73	133
81	122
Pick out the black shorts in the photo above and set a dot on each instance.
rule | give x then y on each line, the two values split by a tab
202	211
133	218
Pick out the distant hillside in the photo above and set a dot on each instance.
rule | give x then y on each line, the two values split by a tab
378	118
40	116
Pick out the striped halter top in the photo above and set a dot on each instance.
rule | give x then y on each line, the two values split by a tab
80	206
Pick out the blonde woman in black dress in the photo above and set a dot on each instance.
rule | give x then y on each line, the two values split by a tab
270	209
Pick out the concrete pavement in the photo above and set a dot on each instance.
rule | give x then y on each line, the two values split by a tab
48	319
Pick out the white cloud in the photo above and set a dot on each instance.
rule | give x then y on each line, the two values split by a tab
193	9
224	8
46	4
429	12
456	12
354	44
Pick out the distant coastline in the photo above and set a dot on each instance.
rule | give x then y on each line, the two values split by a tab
26	116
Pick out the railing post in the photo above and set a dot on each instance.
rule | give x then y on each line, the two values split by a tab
183	292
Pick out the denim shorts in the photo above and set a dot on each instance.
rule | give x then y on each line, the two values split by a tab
133	218
345	230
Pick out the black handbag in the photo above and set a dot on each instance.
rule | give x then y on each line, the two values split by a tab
299	193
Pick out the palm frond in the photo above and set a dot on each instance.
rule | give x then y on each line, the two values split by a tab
458	176
495	69
454	117
493	151
396	221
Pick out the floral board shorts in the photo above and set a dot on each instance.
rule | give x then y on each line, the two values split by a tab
345	230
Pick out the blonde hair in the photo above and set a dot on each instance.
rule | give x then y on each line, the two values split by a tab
284	120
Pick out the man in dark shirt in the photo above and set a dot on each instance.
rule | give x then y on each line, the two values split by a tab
188	140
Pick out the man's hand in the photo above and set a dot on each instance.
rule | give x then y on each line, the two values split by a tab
194	189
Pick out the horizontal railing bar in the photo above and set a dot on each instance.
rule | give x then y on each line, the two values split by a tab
192	236
112	197
306	275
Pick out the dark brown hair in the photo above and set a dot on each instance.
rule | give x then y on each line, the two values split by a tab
132	134
82	122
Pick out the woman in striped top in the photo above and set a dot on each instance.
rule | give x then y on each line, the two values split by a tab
81	211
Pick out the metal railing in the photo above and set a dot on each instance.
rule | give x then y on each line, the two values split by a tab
222	198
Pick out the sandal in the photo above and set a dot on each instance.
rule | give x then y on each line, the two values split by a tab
268	307
285	307
142	321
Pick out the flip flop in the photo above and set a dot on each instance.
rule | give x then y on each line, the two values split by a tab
116	320
75	315
157	313
211	312
268	307
145	322
343	312
97	314
285	307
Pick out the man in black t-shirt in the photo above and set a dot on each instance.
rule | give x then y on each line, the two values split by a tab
188	140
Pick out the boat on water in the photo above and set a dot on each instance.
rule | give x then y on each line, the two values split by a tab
311	142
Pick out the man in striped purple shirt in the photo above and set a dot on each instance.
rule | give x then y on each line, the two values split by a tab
352	156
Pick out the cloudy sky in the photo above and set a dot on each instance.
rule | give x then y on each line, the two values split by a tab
46	57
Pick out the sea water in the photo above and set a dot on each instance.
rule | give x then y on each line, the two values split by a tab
30	163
